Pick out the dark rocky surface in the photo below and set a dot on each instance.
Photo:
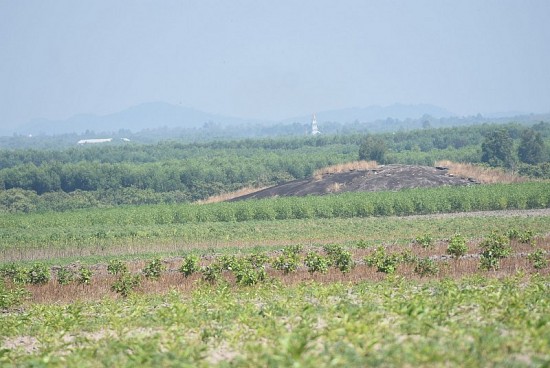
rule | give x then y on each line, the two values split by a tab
388	177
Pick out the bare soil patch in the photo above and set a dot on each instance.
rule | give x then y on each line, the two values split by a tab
384	177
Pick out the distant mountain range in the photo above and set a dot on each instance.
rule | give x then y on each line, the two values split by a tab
154	115
373	113
149	115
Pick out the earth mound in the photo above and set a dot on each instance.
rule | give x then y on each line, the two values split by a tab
384	177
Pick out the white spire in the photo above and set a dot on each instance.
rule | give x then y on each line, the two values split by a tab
314	127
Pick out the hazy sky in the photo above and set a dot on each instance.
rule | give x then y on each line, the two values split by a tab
271	59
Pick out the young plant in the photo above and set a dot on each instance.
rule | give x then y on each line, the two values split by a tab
116	267
228	262
538	259
153	269
525	237
361	244
457	246
425	241
286	262
64	276
190	265
211	273
11	297
340	257
386	263
39	273
426	267
84	275
494	248
247	274
126	283
15	273
316	263
293	249
408	257
257	259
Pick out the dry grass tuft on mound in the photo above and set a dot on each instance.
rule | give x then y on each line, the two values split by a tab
345	167
482	174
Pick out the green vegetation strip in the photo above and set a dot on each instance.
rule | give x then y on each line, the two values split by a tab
60	245
471	322
365	204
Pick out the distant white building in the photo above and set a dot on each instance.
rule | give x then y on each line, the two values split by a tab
94	141
314	127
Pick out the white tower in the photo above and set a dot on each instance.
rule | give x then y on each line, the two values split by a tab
314	127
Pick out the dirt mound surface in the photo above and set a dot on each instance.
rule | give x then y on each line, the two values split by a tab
388	177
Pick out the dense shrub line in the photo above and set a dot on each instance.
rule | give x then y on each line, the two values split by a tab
346	205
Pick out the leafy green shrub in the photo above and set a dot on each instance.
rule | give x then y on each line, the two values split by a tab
426	267
153	269
286	262
257	259
64	276
494	248
84	275
11	297
293	249
211	273
426	241
126	283
383	262
408	257
116	267
16	273
538	259
190	265
332	249
344	261
457	246
39	273
340	257
525	237
228	262
513	234
316	263
247	274
361	244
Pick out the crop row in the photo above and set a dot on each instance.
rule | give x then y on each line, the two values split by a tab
252	269
346	205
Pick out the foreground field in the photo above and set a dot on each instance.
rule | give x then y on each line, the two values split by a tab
471	322
366	290
409	304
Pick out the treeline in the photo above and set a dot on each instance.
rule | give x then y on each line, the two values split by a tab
345	205
423	140
199	176
174	172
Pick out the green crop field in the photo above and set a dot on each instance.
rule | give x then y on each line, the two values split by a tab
474	322
380	291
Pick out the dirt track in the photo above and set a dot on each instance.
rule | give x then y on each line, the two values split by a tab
388	177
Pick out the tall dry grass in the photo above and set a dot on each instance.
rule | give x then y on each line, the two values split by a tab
482	174
345	167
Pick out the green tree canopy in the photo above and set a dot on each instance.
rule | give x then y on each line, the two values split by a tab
497	149
531	147
372	149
